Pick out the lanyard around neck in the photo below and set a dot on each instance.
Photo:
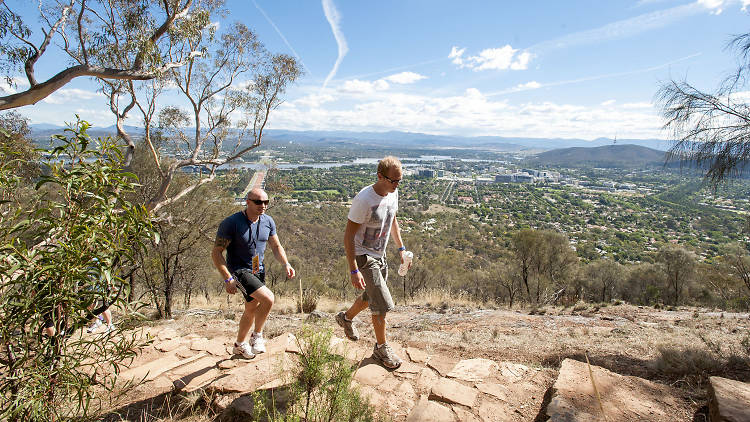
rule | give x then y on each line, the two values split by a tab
253	244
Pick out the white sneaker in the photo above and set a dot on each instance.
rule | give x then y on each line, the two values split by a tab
94	326
243	349
110	328
258	343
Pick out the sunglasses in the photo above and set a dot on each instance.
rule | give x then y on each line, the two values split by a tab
393	182
258	201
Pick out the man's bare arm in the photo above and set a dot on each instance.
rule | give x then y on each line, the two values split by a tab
280	254
217	255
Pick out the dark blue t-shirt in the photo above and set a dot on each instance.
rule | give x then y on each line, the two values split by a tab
246	239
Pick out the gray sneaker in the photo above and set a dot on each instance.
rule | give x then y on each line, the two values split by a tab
349	329
386	356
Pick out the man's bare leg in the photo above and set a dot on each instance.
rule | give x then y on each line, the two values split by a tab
358	306
378	325
246	322
264	297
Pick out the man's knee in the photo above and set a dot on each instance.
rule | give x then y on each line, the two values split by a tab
264	296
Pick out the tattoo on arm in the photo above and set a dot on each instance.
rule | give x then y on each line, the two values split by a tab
221	242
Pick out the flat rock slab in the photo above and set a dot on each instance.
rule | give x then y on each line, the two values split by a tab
417	355
371	374
196	380
450	391
496	390
513	371
251	376
155	368
729	400
168	345
429	411
215	347
623	398
167	334
426	379
473	370
442	364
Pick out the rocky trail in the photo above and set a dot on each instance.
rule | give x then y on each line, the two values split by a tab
431	385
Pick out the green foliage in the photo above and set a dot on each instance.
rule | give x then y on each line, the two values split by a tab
321	390
55	261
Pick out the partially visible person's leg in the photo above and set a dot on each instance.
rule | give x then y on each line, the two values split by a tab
107	314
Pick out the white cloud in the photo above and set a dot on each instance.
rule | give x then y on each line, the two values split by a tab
313	100
334	19
70	95
745	4
457	54
715	6
640	105
527	86
17	83
472	113
355	86
493	58
608	103
502	58
405	78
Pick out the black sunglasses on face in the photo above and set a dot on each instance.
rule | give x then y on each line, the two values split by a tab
393	182
258	201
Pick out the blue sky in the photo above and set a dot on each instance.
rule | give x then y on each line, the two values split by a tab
569	69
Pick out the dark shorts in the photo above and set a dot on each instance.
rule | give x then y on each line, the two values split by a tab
375	272
247	282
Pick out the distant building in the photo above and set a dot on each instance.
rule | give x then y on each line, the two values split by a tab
504	178
427	173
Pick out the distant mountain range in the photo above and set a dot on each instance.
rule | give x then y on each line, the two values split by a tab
401	140
618	156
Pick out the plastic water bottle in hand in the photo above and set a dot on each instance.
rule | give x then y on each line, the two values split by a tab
408	256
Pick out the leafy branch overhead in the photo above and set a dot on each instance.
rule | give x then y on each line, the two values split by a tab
96	35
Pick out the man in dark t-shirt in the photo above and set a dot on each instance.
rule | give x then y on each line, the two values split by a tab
244	235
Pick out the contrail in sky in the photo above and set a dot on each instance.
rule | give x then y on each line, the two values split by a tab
282	36
334	18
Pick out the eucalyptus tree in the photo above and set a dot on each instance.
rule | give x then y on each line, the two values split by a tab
679	266
89	32
711	129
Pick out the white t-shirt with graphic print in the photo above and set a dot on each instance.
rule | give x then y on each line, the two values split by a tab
375	213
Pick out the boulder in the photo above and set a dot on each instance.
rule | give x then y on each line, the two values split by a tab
623	398
729	400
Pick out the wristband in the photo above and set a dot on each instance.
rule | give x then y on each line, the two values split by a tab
403	248
231	278
354	271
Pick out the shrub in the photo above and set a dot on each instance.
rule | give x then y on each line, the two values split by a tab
308	302
321	389
48	273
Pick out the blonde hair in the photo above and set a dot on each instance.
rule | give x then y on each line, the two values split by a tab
388	163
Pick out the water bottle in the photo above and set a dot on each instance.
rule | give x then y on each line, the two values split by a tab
408	256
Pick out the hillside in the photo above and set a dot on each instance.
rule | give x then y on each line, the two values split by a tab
393	139
620	156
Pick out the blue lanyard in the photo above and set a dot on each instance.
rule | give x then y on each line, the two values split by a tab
253	244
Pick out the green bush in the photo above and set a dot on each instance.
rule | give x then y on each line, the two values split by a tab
321	389
48	272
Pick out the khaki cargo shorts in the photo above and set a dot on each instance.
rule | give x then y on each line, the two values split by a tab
375	272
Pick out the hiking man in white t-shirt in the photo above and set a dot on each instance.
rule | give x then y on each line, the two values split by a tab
372	218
